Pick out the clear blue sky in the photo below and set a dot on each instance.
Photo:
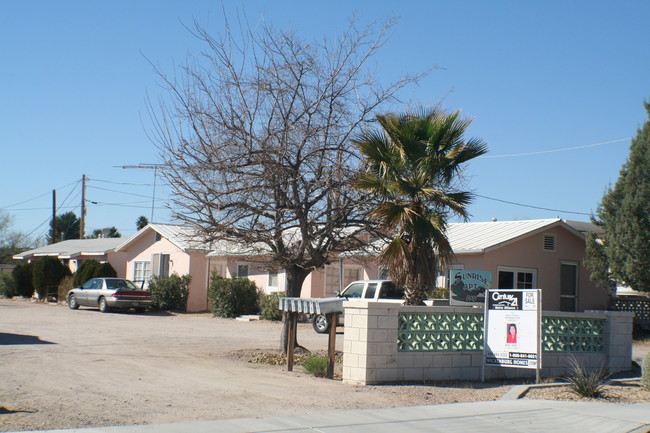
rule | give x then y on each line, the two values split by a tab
535	77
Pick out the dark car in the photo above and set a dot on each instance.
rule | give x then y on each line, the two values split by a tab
109	294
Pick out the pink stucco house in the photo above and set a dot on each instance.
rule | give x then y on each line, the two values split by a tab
164	249
547	254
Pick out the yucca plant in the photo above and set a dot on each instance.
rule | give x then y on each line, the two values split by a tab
316	365
645	372
585	383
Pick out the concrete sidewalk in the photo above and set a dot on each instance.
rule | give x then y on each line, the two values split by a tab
492	416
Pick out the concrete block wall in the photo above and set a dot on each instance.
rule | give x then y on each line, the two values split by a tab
370	353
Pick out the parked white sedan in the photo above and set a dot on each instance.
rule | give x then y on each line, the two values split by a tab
109	293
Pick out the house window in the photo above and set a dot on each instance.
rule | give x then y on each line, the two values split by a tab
273	281
332	278
141	271
160	265
549	242
517	278
568	286
242	271
216	268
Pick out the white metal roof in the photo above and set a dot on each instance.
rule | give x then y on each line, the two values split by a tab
465	238
73	248
469	238
184	237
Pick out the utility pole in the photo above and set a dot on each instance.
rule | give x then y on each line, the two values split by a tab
53	238
82	219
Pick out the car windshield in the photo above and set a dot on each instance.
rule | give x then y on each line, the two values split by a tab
120	284
353	291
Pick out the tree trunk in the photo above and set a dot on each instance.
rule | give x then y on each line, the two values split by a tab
295	277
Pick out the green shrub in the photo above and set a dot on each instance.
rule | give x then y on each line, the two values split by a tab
438	293
270	306
92	269
232	297
170	293
48	272
84	272
24	280
316	365
645	372
7	285
585	383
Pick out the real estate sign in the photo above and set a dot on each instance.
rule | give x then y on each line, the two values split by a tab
468	287
512	328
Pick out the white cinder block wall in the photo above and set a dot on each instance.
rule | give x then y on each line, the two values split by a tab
371	357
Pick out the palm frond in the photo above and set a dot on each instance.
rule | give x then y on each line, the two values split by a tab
411	165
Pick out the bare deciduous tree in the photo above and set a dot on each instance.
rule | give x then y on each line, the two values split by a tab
256	142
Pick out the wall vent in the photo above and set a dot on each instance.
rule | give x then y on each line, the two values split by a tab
549	243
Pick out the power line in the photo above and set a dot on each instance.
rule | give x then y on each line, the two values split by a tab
555	150
120	183
531	206
119	192
39	196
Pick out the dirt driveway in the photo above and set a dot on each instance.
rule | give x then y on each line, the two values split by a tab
63	369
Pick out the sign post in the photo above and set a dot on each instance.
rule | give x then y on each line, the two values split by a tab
512	329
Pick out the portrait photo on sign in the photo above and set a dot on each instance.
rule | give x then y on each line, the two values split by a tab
511	333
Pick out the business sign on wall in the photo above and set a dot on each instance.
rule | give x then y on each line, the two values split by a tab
512	328
468	287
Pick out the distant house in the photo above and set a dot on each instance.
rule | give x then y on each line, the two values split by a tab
74	252
164	249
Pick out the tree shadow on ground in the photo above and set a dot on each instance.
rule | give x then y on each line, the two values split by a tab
18	339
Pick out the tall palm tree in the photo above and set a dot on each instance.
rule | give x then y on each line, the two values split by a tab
412	166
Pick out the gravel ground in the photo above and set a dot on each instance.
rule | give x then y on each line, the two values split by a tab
66	369
623	392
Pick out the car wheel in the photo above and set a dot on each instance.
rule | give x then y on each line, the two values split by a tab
72	302
321	323
103	305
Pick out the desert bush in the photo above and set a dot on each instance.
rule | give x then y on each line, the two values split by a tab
24	280
48	272
645	372
7	285
170	293
64	287
586	383
232	297
316	365
270	306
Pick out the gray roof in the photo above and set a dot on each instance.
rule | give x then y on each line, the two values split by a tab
73	248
